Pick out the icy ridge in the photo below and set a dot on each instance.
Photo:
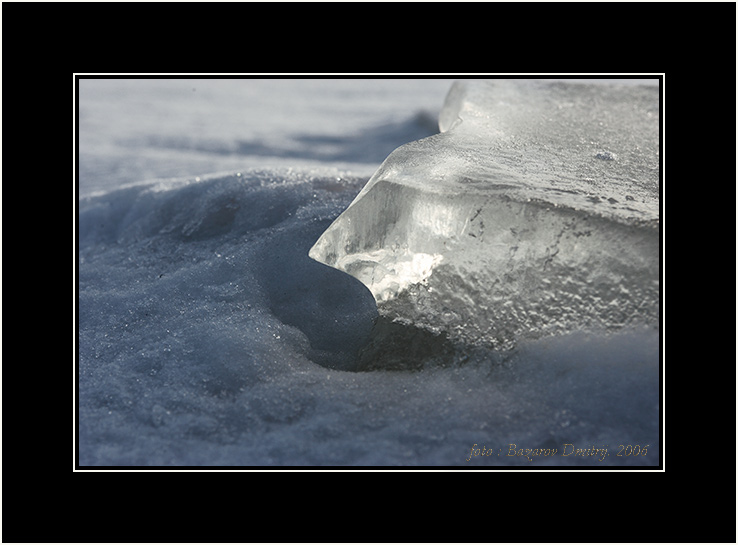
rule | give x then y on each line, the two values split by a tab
511	223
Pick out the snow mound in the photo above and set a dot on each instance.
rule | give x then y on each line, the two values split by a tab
236	242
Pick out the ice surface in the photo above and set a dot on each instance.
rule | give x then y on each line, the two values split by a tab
535	211
208	337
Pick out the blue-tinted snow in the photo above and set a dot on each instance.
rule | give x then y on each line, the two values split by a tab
208	337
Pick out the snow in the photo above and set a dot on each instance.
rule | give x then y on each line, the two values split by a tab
208	337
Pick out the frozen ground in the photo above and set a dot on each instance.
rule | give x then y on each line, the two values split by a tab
208	337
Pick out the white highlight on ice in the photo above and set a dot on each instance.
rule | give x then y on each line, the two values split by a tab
388	274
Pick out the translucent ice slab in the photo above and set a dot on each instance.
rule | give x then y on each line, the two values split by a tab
534	211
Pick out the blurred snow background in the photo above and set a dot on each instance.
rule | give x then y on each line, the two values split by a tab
208	337
137	129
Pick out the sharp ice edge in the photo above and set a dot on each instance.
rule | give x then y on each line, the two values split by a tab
509	223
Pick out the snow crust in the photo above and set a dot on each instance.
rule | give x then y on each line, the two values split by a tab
208	337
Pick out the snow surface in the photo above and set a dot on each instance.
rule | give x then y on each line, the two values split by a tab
208	337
